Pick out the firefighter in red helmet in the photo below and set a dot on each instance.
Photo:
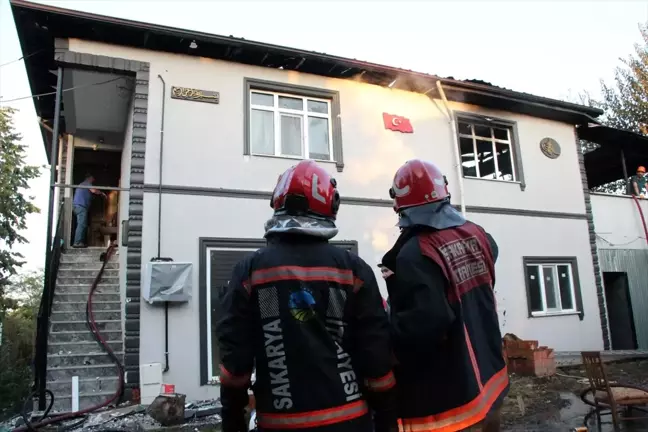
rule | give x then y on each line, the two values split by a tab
451	372
309	317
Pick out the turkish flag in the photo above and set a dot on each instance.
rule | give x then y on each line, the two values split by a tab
397	123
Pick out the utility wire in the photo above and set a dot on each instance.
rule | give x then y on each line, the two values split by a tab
64	90
21	58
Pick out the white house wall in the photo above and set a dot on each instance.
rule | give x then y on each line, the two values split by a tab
618	222
203	148
202	139
622	246
189	217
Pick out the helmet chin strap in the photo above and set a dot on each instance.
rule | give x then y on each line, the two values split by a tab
306	225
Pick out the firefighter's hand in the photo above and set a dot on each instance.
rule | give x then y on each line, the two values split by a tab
642	196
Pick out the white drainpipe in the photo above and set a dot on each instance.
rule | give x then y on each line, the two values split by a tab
453	127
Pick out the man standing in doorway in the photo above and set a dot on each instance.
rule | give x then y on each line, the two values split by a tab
82	200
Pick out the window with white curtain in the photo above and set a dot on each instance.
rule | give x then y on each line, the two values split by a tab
290	125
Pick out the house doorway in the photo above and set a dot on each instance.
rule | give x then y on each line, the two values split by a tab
619	309
103	214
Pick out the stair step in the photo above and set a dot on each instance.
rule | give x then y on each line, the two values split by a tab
80	347
82	325
91	386
90	265
99	315
82	336
59	306
81	288
86	258
81	272
94	371
80	359
77	297
87	250
63	403
87	280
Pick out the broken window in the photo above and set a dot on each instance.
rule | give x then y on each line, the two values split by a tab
551	286
290	125
486	150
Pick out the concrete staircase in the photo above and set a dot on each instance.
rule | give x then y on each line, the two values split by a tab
72	350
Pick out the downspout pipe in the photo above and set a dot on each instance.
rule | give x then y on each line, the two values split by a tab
50	226
455	144
159	233
159	236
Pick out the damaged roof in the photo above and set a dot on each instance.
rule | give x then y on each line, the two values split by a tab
38	25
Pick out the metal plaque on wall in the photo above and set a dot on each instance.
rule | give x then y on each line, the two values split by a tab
191	94
550	148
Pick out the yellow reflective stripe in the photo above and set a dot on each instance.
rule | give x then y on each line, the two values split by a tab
464	416
383	383
329	274
313	418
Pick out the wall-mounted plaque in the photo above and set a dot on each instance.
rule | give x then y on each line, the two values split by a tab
550	148
191	94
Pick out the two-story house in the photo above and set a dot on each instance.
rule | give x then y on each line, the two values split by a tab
189	132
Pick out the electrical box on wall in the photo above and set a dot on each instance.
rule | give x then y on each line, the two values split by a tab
167	282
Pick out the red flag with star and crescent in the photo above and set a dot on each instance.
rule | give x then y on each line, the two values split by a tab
397	123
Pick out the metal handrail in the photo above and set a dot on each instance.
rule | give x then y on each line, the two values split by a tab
52	258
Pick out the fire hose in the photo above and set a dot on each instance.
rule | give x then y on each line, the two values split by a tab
90	320
643	220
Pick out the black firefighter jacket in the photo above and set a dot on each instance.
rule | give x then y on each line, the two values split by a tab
308	315
451	372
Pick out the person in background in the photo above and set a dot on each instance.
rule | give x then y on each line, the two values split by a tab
81	203
451	372
309	317
638	183
386	273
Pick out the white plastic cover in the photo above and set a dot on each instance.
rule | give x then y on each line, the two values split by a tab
167	282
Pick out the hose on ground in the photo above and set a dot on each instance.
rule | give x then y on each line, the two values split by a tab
90	320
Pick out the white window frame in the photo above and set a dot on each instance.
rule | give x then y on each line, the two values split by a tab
543	293
493	141
304	114
214	378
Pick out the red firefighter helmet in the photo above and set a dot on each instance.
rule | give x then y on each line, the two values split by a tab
306	188
418	182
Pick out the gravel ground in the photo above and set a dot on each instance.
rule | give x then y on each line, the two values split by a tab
553	403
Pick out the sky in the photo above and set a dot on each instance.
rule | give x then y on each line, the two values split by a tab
555	49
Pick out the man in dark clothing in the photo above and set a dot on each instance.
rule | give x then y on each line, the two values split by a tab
451	372
637	186
81	202
309	317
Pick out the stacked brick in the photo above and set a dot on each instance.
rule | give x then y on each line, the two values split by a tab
526	358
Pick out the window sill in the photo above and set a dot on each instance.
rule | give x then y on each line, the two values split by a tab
492	180
297	158
521	185
553	314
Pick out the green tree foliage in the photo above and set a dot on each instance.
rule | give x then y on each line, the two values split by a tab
14	205
625	101
18	312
